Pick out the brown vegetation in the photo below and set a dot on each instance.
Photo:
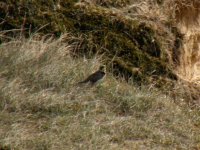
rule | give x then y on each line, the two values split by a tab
152	45
42	108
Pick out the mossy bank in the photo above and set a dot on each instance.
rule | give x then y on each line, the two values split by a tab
131	47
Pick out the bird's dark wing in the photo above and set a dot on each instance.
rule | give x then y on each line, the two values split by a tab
97	76
88	78
93	77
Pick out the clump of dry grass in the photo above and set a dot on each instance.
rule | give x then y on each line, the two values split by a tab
187	15
186	11
42	108
164	15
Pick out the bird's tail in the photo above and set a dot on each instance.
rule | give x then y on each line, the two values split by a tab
82	82
79	83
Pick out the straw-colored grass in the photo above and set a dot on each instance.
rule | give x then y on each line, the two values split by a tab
41	106
183	14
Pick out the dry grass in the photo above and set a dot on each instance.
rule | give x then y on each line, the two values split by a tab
186	11
189	68
42	108
184	14
187	15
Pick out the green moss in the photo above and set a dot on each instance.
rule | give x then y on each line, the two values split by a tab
113	3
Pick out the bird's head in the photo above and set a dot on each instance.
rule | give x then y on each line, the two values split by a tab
102	68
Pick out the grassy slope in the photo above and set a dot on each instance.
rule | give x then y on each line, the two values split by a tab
138	41
42	108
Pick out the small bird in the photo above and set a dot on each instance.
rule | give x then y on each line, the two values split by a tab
96	76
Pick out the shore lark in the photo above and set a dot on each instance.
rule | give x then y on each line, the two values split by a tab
94	77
